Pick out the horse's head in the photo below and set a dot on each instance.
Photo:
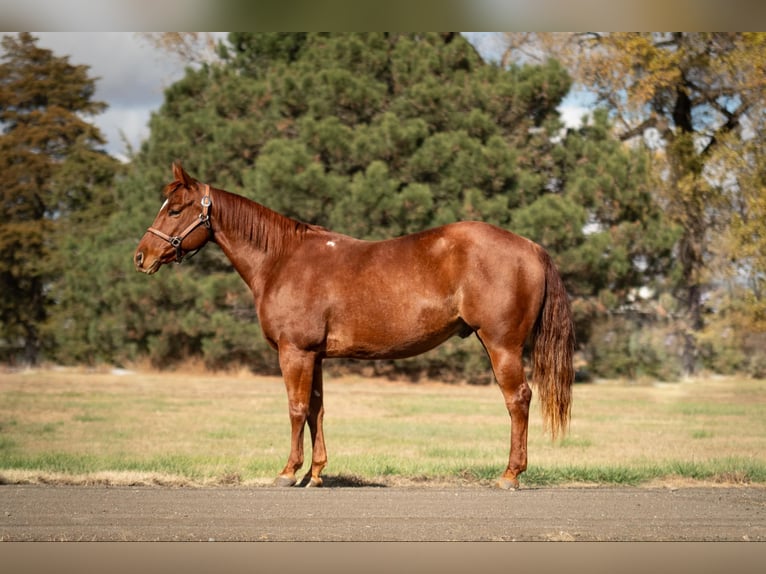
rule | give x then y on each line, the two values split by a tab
182	225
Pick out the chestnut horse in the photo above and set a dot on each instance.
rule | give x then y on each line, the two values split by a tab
321	294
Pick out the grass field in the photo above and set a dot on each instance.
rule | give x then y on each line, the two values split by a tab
74	426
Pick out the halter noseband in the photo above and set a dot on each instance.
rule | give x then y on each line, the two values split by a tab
176	240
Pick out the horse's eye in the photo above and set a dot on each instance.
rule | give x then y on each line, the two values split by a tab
174	212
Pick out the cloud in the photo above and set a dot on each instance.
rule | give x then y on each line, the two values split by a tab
578	104
124	128
131	76
572	114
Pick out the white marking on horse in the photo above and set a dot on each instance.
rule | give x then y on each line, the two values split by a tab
164	205
331	243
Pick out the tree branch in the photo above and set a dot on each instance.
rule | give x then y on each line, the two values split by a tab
650	122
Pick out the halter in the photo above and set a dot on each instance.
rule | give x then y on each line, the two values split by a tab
176	240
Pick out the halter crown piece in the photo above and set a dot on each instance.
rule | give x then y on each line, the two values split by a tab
176	240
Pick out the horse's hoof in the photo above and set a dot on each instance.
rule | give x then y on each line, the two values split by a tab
314	483
507	483
284	480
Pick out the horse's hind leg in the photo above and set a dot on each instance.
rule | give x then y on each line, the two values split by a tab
509	371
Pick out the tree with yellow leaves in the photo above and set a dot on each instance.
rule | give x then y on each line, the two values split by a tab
698	99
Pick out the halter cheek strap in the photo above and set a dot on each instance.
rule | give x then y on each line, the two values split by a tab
176	240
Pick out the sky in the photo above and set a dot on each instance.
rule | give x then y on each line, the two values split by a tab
132	76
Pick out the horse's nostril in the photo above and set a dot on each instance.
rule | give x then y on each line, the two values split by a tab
139	258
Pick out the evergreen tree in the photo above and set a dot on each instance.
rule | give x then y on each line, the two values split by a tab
311	117
51	170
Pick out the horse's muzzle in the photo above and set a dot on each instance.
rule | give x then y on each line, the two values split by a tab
139	259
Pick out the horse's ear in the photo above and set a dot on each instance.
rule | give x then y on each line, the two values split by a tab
180	175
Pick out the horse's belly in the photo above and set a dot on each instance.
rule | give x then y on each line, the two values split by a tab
393	335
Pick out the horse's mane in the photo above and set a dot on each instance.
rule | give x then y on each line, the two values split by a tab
267	229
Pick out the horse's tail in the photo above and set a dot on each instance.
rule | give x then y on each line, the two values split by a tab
553	352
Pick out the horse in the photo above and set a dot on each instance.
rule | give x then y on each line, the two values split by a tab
320	295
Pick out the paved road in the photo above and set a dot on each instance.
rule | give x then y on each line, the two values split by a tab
51	513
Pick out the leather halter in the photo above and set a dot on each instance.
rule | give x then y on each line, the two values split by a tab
176	240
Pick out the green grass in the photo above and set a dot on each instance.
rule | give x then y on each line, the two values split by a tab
203	469
70	425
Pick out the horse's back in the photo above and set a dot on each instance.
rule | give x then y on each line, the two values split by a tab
474	241
467	258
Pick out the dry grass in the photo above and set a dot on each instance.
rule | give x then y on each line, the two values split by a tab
74	426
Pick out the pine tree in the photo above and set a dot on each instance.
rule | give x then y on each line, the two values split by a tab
50	168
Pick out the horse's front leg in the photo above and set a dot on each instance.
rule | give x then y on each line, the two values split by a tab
315	418
298	369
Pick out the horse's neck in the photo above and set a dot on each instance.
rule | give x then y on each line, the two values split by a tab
252	236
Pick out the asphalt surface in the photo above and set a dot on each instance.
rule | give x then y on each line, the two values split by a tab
104	513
